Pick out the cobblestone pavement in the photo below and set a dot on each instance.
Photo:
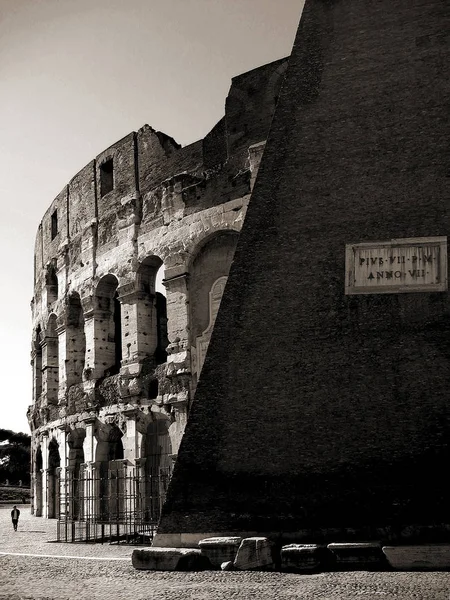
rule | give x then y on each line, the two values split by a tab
77	571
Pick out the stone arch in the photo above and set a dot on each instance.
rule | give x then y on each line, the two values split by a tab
208	272
206	236
51	283
38	482
75	340
152	324
156	462
108	325
54	463
74	474
274	84
109	458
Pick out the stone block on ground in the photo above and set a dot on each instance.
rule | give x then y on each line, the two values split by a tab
255	553
426	557
357	555
169	559
302	558
220	549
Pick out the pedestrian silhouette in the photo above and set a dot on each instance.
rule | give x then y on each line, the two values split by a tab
15	514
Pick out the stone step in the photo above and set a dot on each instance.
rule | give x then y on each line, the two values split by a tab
357	555
424	557
303	558
170	559
220	550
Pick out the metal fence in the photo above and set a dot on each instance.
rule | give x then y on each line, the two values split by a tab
110	502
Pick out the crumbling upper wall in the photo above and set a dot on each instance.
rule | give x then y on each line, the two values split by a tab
153	181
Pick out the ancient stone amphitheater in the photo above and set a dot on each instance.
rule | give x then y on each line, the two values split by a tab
131	260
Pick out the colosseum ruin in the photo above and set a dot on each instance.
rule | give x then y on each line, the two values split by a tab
130	263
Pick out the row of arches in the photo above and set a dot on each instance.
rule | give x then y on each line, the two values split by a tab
64	484
116	333
60	356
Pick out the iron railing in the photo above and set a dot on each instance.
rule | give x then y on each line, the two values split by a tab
110	503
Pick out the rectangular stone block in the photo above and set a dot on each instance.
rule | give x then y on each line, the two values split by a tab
220	549
357	555
254	553
302	558
169	559
431	557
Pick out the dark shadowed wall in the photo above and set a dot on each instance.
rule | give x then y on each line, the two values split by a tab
316	411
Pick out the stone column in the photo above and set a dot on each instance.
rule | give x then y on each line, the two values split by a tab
132	440
176	283
44	450
91	471
50	370
132	448
36	362
62	356
63	500
139	324
99	350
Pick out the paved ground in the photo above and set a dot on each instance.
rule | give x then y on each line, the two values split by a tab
34	567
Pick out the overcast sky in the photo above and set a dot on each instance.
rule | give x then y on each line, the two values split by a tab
76	76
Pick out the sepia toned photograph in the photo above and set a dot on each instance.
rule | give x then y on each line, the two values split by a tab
225	314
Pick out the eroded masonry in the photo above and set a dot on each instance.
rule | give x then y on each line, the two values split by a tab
115	356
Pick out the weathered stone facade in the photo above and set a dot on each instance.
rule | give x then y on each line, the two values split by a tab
115	362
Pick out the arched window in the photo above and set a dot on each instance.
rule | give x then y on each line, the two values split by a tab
75	341
109	455
37	364
74	483
50	367
208	274
54	462
38	483
51	284
110	325
152	325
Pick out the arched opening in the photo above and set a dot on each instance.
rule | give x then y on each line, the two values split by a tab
112	485
54	462
75	341
156	451
37	364
50	368
109	353
74	487
208	274
51	284
152	325
38	483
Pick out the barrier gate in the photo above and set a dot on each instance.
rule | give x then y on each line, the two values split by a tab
110	503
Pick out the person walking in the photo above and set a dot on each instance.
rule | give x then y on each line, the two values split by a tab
15	514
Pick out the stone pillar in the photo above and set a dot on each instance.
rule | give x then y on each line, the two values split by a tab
62	356
44	450
255	153
91	471
36	362
90	441
50	370
63	500
176	283
176	430
132	440
100	351
139	324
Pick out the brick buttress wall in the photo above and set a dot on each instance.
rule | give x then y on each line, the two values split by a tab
318	411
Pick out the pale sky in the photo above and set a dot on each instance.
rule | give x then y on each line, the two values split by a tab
78	75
